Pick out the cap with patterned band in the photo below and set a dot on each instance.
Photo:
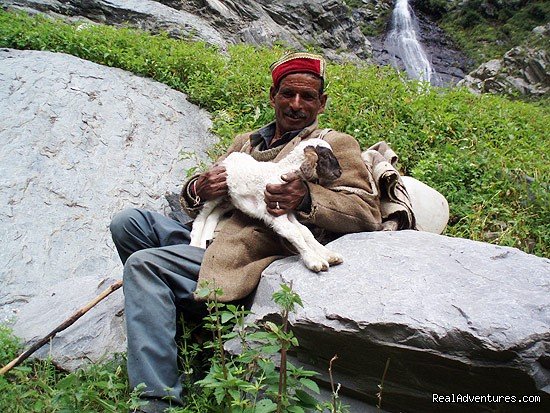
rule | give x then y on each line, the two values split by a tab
297	63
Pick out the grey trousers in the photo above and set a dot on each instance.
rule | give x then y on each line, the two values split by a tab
160	273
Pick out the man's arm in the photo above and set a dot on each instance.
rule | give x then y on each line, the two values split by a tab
208	185
342	211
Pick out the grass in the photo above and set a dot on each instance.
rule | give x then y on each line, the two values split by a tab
37	386
245	383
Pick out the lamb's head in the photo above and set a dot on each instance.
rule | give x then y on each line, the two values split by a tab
320	161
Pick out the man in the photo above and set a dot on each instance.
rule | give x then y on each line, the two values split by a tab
160	268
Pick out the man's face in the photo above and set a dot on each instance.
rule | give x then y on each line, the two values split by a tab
297	102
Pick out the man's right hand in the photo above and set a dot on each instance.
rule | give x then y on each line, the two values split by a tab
211	184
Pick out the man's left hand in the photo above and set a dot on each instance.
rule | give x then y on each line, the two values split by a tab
285	197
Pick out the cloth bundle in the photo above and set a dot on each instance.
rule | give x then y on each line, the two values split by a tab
411	203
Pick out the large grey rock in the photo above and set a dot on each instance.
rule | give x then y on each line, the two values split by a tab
521	71
454	316
97	336
80	142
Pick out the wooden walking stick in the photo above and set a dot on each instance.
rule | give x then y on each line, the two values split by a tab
68	322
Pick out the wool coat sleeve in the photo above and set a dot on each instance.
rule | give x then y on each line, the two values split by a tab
187	202
349	204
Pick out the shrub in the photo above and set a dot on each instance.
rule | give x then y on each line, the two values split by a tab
537	12
435	8
471	18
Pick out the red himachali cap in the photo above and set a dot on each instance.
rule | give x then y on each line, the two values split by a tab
297	63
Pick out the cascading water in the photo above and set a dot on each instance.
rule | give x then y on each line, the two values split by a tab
402	43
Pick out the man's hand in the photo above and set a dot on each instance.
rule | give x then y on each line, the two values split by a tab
285	197
211	184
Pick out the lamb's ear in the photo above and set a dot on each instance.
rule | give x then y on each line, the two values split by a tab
328	167
308	167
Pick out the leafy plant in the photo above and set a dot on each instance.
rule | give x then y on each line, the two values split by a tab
487	29
38	386
249	382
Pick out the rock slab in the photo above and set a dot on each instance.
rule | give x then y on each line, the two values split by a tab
99	335
80	142
523	71
454	316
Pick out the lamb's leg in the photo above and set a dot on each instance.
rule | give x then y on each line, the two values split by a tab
212	222
333	258
200	221
286	229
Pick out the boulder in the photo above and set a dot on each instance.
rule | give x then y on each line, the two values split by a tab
455	317
81	141
97	336
522	71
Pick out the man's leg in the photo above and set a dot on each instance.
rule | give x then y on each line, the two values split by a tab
137	229
155	281
158	276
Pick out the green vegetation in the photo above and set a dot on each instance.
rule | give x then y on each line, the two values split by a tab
245	383
486	29
38	386
486	154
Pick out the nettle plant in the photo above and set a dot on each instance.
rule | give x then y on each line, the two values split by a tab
249	382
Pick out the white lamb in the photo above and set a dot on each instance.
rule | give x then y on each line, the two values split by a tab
246	181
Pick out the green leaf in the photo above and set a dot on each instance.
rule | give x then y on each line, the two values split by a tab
234	394
272	326
203	292
295	409
231	335
310	384
226	317
219	394
307	400
270	349
259	335
265	406
67	382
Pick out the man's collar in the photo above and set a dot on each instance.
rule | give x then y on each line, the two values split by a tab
264	136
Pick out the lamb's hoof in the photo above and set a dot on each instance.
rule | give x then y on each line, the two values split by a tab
391	225
334	258
316	264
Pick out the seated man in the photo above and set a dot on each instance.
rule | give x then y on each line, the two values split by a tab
160	268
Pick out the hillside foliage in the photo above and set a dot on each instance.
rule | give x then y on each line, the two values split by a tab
486	29
486	154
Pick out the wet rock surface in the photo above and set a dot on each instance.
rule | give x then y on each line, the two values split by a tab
454	316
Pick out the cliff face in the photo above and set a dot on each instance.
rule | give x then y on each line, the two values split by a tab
341	32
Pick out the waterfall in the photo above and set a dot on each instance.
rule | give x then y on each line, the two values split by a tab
403	44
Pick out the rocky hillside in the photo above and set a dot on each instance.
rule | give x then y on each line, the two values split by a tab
343	29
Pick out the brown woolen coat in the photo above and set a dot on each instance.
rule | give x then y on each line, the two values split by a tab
244	246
